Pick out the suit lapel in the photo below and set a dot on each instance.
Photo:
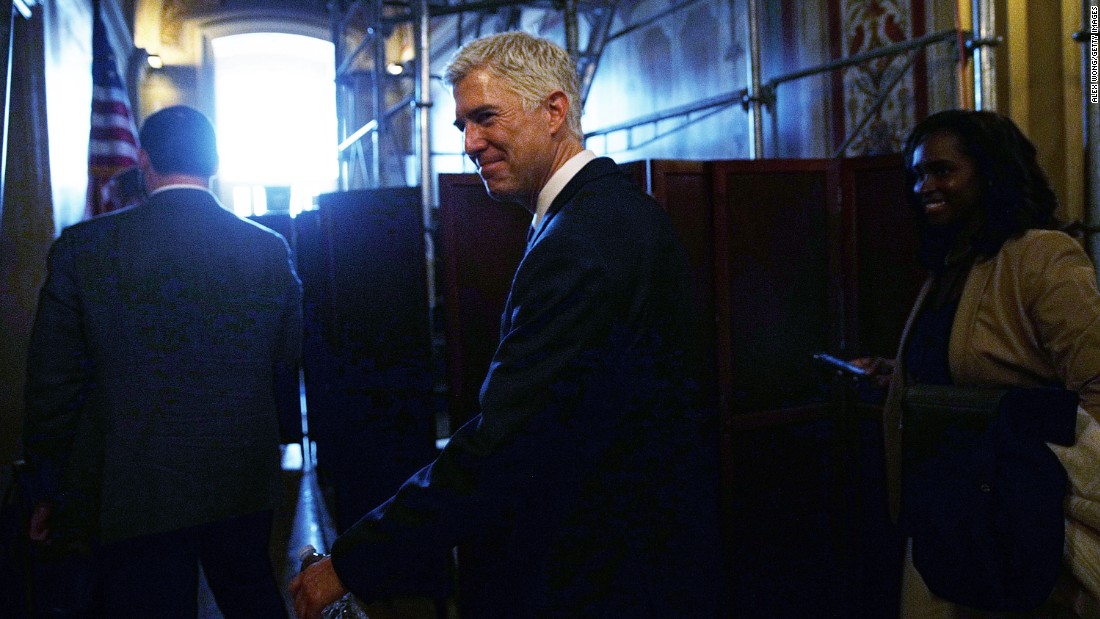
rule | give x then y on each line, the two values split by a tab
598	167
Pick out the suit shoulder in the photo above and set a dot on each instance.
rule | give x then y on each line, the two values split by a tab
1032	245
101	222
617	192
1043	256
255	227
249	231
611	219
95	228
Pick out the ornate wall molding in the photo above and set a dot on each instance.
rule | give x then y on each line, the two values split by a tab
865	25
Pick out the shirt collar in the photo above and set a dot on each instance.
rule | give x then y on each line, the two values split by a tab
167	187
558	181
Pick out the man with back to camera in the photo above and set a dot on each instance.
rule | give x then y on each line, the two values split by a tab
587	486
151	423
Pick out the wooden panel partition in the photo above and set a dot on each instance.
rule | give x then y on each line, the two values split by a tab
377	424
789	258
684	189
483	242
882	239
772	281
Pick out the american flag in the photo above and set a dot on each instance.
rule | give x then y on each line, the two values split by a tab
113	144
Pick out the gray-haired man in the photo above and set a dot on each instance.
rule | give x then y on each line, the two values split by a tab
586	487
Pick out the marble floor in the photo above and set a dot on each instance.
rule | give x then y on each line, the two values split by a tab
302	520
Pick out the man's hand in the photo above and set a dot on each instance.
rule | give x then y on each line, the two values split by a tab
315	588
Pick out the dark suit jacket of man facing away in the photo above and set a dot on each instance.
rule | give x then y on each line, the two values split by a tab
158	332
587	486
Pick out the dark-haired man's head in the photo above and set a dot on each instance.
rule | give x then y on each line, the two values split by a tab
180	141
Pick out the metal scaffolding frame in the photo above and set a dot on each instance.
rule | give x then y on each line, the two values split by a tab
382	16
754	99
980	44
767	90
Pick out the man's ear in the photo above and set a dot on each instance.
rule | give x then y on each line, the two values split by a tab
557	104
149	175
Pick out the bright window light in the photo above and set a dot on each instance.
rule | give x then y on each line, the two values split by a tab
276	117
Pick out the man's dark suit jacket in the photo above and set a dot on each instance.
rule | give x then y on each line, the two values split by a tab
150	377
587	486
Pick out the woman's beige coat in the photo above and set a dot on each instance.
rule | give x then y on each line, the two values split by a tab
1029	316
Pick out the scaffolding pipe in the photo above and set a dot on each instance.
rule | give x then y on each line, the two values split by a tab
682	110
343	66
756	103
875	105
379	99
341	113
353	139
373	124
894	49
650	20
597	38
741	95
443	11
985	71
572	40
24	7
423	107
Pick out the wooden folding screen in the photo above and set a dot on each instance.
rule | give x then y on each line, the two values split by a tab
882	278
811	255
684	189
790	258
773	283
483	242
369	358
882	241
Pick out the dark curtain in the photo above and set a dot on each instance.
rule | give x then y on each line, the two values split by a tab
27	228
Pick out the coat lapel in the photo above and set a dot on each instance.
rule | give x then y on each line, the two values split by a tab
892	421
598	167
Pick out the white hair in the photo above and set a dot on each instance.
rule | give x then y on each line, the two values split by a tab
532	67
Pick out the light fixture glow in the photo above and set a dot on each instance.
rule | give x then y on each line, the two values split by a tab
275	107
155	61
394	69
24	7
